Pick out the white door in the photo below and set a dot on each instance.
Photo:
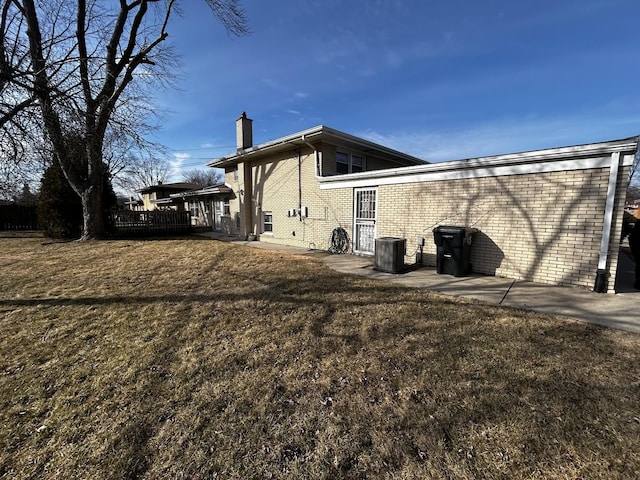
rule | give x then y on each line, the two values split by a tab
217	214
364	215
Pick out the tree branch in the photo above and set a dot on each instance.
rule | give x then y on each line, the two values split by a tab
82	50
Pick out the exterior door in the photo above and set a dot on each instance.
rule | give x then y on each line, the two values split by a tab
217	214
364	215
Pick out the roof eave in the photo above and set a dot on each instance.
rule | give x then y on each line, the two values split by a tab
627	145
303	138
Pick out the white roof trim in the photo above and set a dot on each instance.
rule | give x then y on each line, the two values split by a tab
210	190
305	136
553	160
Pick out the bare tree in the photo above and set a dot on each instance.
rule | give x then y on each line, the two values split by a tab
205	178
80	69
142	171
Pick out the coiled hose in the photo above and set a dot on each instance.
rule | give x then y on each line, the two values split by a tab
339	242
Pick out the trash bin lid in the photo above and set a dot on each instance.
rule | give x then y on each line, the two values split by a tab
455	229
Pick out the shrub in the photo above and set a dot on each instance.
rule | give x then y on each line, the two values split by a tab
60	207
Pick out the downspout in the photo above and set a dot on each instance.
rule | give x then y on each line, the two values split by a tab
248	199
317	155
602	274
299	184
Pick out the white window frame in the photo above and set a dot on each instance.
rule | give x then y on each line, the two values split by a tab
194	208
266	214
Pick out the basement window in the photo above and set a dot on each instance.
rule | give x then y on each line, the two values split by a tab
267	222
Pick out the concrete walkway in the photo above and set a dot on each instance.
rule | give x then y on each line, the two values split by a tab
620	310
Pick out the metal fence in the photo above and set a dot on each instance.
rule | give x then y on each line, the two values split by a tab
18	217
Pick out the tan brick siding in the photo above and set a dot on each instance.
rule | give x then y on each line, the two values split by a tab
542	227
275	189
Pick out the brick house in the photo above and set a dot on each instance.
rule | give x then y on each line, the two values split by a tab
295	190
207	205
159	196
276	193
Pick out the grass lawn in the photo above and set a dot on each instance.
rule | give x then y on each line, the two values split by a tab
192	358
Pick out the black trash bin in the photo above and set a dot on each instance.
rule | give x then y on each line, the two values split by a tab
454	249
389	255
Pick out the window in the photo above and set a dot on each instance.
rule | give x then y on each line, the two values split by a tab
226	207
342	162
235	174
349	163
267	222
194	208
357	163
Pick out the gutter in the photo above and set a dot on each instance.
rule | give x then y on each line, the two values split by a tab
319	131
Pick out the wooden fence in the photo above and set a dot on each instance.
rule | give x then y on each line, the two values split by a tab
155	222
18	217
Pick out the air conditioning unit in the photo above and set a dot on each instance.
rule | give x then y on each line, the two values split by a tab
389	254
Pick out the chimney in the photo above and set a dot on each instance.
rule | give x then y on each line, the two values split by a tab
244	132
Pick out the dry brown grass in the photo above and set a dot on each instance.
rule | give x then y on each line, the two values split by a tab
192	358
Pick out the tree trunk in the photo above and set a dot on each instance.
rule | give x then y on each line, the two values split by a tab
92	214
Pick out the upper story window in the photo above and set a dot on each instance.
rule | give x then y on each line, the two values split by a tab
342	162
357	163
349	162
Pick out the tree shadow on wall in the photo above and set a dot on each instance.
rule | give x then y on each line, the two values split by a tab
486	255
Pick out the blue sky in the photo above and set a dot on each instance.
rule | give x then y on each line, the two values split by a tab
441	80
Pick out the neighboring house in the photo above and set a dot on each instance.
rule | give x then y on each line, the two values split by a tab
633	208
134	204
297	189
209	207
159	196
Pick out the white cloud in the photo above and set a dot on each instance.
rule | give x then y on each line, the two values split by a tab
507	135
175	173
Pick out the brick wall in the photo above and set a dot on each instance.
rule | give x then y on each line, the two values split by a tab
275	190
542	227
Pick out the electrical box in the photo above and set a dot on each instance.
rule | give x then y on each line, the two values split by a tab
304	212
